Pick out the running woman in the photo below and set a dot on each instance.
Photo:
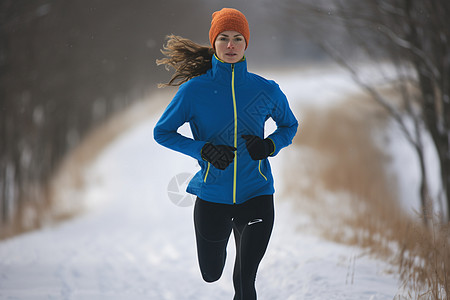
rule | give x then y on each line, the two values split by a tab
226	107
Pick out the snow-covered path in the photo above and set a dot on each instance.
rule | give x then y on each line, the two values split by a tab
136	244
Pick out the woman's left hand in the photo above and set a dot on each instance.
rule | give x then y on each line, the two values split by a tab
257	147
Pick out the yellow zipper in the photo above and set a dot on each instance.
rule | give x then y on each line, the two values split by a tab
207	172
259	169
235	134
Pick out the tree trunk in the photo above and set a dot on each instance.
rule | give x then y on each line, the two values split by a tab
433	86
425	199
444	154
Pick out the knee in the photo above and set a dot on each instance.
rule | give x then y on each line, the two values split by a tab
211	266
210	278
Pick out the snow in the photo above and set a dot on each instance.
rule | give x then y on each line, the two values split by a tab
134	243
315	86
405	167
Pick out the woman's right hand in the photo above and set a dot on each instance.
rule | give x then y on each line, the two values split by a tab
220	156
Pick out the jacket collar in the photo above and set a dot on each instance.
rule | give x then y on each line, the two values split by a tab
222	71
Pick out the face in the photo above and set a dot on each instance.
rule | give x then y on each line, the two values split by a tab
230	46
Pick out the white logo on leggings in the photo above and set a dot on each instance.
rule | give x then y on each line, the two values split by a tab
255	221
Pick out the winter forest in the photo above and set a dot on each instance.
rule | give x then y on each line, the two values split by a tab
71	72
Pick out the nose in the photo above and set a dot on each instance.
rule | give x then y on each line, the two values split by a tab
230	45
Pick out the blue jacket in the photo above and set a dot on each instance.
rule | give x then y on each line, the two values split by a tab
222	105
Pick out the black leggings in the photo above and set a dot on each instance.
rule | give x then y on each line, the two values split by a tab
252	224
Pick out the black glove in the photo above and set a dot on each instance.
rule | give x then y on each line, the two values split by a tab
257	147
220	156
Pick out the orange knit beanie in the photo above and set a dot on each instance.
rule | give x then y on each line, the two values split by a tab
228	19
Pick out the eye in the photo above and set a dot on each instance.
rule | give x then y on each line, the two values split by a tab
238	39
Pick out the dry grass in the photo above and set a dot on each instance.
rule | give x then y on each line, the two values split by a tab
347	184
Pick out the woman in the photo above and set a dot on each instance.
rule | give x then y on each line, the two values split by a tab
226	107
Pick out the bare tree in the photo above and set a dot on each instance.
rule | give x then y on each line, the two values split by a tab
65	67
414	38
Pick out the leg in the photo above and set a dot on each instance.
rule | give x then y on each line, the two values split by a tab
252	228
212	230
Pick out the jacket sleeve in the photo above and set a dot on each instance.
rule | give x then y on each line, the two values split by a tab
285	120
175	115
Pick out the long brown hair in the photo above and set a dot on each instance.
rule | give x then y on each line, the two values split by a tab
188	58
